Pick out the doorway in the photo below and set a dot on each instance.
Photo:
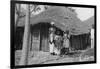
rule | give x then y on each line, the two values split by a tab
40	34
44	35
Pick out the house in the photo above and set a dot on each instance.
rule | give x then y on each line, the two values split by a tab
63	18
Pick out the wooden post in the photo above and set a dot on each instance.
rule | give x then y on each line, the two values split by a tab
92	38
25	47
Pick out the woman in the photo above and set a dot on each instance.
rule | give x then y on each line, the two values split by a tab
65	49
58	43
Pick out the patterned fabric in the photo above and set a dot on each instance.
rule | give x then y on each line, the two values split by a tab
51	47
66	42
58	42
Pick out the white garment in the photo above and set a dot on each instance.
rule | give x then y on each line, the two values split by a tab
56	37
92	38
92	33
51	47
56	51
51	37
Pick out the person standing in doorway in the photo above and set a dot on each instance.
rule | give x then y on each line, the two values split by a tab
51	39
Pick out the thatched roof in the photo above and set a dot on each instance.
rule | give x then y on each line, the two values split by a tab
64	19
89	22
87	25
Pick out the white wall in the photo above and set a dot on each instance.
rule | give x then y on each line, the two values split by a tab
5	34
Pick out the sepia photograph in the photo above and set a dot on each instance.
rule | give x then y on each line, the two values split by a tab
44	34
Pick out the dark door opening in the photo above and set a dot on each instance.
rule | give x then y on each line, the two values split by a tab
40	36
44	35
18	38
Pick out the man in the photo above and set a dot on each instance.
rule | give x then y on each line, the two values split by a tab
51	38
51	41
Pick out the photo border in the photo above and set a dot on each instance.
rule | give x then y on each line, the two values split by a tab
12	20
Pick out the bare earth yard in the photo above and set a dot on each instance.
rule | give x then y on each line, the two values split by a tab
45	58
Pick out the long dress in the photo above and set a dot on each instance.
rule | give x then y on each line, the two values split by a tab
66	42
51	43
58	44
65	49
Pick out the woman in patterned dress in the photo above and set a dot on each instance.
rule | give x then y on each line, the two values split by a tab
65	49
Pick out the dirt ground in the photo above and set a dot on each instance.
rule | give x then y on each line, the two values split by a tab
41	57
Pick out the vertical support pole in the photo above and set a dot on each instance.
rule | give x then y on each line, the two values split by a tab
25	47
92	38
